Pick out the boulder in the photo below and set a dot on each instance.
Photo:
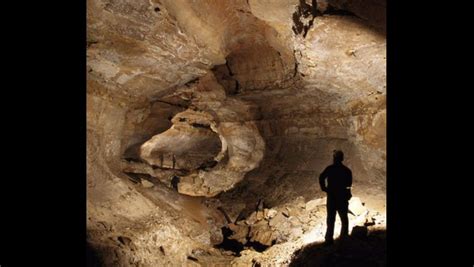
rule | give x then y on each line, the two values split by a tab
312	204
146	183
277	220
240	232
356	206
270	213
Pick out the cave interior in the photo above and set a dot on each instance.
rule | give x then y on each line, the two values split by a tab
209	122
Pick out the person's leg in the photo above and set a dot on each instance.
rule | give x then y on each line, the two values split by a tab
342	211
331	218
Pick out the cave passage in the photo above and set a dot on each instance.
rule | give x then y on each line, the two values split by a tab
208	123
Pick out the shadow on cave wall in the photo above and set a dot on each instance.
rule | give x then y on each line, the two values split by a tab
358	250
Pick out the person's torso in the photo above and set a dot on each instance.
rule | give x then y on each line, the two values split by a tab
338	178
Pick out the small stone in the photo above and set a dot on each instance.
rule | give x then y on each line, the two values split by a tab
304	218
356	206
296	212
260	215
240	232
270	213
295	221
278	219
251	219
146	183
312	204
300	203
296	232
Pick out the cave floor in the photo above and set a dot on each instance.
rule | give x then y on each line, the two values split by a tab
293	235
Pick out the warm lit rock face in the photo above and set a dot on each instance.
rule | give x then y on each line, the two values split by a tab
198	105
215	141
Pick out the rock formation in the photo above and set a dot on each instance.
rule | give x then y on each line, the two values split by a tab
197	110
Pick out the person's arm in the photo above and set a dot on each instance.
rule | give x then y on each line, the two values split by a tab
349	182
322	180
349	185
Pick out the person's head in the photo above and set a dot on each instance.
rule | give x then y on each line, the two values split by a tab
337	156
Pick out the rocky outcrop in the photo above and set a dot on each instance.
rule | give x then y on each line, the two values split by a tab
199	105
216	132
269	236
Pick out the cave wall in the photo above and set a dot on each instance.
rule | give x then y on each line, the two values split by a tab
303	93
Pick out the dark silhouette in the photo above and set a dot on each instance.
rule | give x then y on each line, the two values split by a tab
357	250
175	181
338	189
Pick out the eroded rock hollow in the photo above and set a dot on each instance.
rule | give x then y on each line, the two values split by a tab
209	122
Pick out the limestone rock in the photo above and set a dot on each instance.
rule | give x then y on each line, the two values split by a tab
312	204
240	232
277	220
356	206
262	233
146	183
270	213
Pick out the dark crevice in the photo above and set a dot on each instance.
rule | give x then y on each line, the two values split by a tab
228	68
257	246
331	10
306	28
92	42
314	8
237	87
236	247
241	216
230	244
260	205
192	258
175	181
132	179
225	214
192	82
243	11
137	177
304	11
133	160
199	125
171	104
124	240
296	69
207	165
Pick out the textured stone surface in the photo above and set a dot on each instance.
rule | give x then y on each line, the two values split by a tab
214	128
242	100
341	55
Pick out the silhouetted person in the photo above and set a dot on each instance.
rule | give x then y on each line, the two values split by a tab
338	189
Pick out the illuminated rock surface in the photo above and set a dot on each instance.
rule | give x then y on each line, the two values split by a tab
197	110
